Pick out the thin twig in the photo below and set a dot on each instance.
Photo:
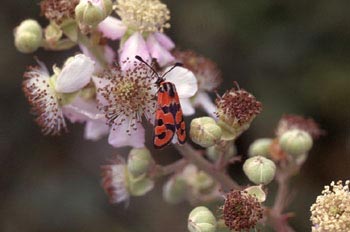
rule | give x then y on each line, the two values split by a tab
195	157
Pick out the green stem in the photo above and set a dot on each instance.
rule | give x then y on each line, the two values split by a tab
95	49
195	157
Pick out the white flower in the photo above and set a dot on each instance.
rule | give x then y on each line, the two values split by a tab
126	96
114	181
47	94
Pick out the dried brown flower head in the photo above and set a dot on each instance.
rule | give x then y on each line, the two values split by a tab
331	211
241	211
289	122
236	109
58	10
206	71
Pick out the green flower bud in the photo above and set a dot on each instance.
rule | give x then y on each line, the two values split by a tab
204	182
259	170
174	190
53	34
205	132
227	148
201	219
28	36
256	191
139	186
260	147
139	161
91	13
296	142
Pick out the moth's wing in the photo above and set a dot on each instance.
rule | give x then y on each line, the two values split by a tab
180	126
164	125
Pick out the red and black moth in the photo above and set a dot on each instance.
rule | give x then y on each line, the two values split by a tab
169	117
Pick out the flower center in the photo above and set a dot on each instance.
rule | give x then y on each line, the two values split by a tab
144	15
127	95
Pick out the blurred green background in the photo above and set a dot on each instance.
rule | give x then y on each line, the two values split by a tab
294	56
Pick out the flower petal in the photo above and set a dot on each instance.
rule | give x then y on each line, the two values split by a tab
164	40
187	107
184	80
159	52
81	110
109	55
76	73
135	45
95	129
202	99
112	28
119	138
101	83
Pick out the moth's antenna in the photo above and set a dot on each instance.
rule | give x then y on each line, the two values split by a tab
175	65
141	60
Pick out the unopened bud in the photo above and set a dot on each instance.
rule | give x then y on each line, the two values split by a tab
28	36
92	12
53	34
205	132
139	161
174	190
296	142
139	186
259	170
201	219
260	147
256	191
226	148
204	182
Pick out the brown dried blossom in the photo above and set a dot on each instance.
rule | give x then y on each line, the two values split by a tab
206	71
241	211
289	122
58	10
237	106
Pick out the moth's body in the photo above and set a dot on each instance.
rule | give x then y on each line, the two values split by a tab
169	117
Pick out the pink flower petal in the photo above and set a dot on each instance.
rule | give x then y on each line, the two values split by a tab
95	129
76	73
135	45
184	80
159	52
101	83
119	138
112	28
164	40
81	110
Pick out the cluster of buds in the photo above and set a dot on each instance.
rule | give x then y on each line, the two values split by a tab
122	180
191	184
294	139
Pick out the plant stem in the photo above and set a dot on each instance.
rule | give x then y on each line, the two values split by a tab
195	157
95	49
169	169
